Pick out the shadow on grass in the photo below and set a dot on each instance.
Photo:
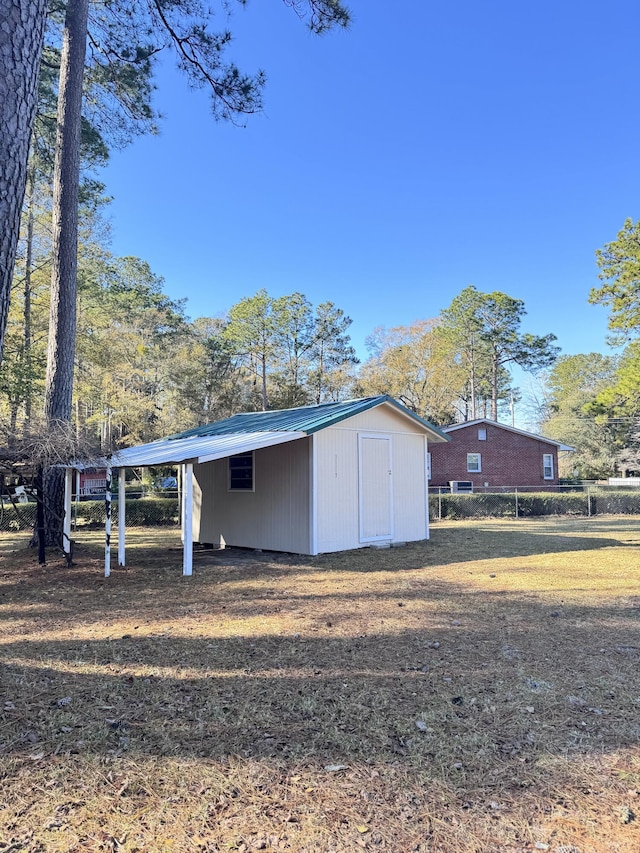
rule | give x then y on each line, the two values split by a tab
514	682
447	545
150	688
81	595
451	543
316	694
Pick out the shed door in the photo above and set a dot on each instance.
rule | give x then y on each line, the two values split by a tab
375	488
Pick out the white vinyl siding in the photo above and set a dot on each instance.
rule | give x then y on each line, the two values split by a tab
474	463
547	466
336	489
337	476
409	488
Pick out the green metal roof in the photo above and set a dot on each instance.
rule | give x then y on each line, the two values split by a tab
308	419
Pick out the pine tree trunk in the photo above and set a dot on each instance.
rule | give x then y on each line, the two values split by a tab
66	178
62	315
320	374
22	25
27	294
494	388
265	401
472	382
13	422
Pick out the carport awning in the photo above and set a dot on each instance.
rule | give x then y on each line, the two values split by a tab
199	448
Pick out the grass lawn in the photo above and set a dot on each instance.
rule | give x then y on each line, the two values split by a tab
478	692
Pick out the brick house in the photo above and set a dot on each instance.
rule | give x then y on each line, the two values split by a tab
92	482
488	454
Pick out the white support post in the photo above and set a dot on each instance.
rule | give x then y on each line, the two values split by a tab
313	496
187	519
75	508
426	487
107	524
66	525
121	515
181	493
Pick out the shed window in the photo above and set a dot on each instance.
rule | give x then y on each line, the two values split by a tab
241	472
482	435
474	463
547	465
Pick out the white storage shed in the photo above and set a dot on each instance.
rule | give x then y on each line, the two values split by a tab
310	480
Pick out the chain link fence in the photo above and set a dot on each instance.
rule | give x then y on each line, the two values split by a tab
501	502
523	502
148	511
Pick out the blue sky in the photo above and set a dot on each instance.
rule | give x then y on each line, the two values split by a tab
432	146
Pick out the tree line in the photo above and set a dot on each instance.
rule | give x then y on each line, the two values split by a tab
144	369
592	401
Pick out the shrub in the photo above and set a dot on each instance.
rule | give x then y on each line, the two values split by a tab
150	512
530	504
552	503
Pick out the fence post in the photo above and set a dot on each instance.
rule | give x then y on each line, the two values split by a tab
439	505
589	501
517	508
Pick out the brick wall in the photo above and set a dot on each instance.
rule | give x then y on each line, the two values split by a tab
507	458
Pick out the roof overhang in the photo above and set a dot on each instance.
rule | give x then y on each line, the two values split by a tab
196	449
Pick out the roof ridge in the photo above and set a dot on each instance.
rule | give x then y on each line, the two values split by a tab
309	406
308	419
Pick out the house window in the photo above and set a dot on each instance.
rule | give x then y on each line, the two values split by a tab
241	472
482	435
428	466
474	463
547	465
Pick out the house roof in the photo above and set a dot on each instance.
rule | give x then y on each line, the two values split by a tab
487	421
254	430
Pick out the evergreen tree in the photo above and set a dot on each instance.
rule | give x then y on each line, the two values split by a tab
485	330
572	386
619	263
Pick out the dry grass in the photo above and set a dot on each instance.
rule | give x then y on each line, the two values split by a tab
480	692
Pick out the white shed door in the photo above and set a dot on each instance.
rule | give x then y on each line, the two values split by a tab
376	510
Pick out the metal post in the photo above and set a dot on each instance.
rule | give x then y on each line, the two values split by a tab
107	524
182	496
121	515
439	505
77	501
517	507
66	524
40	515
187	520
589	501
